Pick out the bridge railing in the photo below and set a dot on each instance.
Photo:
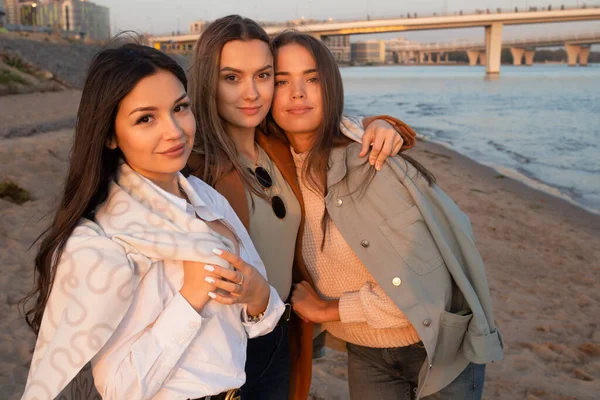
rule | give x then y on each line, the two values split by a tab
412	15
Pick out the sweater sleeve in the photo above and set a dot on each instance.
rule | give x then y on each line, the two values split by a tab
372	305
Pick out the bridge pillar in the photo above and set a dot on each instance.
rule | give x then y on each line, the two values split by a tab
493	48
429	58
473	56
438	58
420	57
583	56
572	53
529	57
483	58
446	57
517	55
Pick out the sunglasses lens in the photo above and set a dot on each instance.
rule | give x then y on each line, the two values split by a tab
278	207
263	177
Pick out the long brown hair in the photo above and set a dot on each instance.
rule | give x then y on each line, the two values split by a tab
212	140
112	75
328	135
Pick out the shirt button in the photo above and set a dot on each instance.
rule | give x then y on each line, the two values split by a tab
396	281
427	322
339	202
365	243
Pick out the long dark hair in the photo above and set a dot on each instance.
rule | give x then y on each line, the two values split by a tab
328	135
113	73
212	140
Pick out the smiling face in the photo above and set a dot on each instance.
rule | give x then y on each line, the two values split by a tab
154	127
245	87
297	104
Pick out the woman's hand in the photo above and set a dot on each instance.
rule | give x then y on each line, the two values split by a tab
310	307
195	288
385	141
244	284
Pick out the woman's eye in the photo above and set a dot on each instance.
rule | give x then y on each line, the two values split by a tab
264	75
313	80
144	119
280	83
182	107
231	78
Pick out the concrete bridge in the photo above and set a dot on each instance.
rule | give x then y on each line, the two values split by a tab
577	47
493	22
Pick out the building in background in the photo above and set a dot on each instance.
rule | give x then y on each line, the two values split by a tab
197	26
2	15
369	52
76	17
339	46
11	9
86	18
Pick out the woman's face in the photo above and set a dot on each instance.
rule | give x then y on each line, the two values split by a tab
297	104
245	88
154	127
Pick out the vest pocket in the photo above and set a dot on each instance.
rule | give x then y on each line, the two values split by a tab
412	240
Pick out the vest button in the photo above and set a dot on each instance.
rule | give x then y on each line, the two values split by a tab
396	281
365	243
427	322
339	202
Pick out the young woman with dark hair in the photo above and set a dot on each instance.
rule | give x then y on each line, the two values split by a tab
393	267
134	275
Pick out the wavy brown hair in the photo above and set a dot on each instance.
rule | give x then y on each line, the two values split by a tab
212	140
112	75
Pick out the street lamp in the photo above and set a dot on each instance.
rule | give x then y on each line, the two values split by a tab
33	15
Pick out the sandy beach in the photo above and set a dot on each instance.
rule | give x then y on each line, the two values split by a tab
542	258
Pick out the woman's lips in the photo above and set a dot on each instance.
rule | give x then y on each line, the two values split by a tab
299	110
174	151
250	110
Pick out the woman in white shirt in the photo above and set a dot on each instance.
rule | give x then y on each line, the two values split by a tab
135	273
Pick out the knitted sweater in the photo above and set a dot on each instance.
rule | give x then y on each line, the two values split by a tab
368	316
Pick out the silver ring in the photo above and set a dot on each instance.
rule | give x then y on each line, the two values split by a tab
242	280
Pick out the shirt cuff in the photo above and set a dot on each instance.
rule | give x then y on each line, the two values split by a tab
268	322
178	324
350	308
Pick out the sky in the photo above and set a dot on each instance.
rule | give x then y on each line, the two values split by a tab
162	17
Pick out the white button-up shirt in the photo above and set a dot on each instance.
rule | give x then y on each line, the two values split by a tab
164	349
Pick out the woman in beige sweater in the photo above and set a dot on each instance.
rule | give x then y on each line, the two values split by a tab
396	271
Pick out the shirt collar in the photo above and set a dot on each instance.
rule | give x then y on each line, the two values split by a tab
182	204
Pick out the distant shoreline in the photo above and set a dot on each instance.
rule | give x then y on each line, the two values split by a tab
455	64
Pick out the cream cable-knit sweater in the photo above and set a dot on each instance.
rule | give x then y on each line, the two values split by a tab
368	316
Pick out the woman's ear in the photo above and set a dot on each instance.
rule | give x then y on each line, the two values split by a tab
111	142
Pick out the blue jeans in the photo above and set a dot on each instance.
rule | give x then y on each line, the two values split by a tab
268	366
393	373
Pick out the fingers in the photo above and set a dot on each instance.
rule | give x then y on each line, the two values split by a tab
227	286
235	260
229	274
386	151
398	142
367	139
222	298
376	148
